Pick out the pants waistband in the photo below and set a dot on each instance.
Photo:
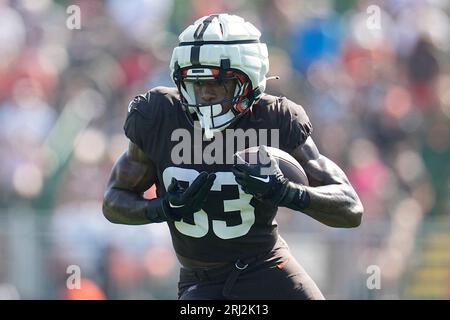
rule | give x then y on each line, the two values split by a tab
221	273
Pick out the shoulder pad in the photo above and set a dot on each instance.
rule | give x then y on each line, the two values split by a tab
136	102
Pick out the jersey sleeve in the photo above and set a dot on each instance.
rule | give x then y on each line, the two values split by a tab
295	126
134	120
142	125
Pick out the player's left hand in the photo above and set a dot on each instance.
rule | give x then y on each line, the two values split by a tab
264	180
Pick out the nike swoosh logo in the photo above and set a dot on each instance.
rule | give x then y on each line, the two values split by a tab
266	180
174	206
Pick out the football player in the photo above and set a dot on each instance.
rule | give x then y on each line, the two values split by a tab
221	213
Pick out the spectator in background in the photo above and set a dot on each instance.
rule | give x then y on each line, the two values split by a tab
423	71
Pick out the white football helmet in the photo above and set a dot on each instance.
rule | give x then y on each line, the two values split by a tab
220	46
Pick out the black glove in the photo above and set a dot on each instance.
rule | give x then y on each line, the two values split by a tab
180	202
264	180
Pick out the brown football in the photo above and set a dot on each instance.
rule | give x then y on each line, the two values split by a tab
290	167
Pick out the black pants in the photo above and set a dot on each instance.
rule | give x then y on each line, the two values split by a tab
273	276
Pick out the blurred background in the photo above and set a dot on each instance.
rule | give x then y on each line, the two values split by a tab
373	76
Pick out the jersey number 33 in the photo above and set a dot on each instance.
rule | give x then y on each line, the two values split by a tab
201	220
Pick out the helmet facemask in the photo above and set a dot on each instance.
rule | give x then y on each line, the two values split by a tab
218	114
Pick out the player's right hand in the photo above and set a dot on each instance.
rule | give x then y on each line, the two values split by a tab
181	202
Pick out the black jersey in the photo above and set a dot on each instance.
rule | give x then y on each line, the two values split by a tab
232	224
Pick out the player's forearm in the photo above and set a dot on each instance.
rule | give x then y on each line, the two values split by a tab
334	205
126	207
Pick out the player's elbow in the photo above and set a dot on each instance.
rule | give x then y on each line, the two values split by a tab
354	215
108	213
108	209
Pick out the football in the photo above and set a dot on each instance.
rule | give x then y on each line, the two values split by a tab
290	167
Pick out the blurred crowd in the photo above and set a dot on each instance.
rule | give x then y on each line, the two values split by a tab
373	76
